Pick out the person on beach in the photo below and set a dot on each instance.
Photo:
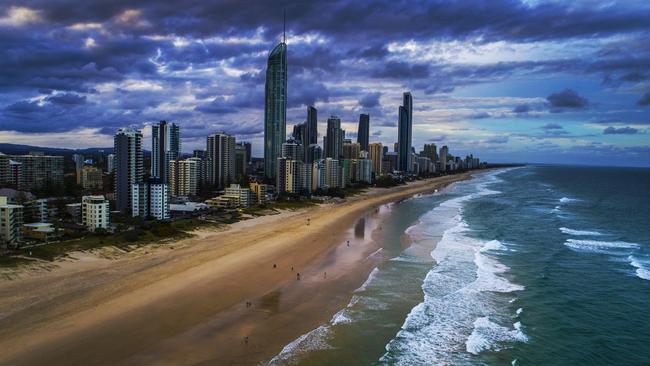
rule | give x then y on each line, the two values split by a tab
275	265
325	275
298	276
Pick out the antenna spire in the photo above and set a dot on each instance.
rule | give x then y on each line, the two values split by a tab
284	26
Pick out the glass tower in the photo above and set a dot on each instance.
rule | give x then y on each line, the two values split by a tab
275	108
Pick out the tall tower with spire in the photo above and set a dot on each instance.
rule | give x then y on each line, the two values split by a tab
275	105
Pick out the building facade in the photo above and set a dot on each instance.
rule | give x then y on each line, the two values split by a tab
275	107
363	133
95	212
128	166
333	140
220	160
165	147
405	130
11	221
151	199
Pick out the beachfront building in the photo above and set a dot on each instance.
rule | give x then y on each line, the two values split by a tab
36	210
332	173
11	220
110	163
95	212
91	177
220	159
151	199
234	197
425	165
275	108
362	170
259	192
184	177
128	166
42	231
31	172
293	176
376	155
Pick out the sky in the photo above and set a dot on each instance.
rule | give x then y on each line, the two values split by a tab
510	81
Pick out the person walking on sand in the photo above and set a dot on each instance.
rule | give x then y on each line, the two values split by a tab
325	275
298	276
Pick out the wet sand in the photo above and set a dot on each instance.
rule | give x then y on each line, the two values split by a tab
188	305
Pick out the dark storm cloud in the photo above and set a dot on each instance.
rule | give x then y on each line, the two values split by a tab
620	131
138	40
522	108
551	126
645	99
566	99
67	99
370	100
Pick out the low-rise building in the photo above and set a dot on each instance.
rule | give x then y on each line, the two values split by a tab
43	231
11	220
74	210
95	212
234	197
260	192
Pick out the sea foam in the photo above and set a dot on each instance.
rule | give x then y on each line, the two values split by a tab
642	267
488	335
580	232
568	199
595	246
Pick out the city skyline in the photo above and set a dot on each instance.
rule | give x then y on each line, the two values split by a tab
569	86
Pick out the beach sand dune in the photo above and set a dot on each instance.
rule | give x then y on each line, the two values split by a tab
188	305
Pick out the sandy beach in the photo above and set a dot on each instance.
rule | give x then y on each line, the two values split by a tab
186	303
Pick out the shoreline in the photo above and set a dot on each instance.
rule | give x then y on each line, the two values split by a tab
187	305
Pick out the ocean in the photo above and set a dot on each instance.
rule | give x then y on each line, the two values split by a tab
538	265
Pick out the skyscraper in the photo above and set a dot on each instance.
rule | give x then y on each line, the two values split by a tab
312	126
165	147
443	158
220	159
128	166
333	141
405	127
275	107
363	133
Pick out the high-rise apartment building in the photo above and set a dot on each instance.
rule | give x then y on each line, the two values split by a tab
363	133
351	150
184	177
78	167
220	159
128	166
165	147
333	140
275	107
151	199
444	151
430	151
31	172
376	154
312	126
405	128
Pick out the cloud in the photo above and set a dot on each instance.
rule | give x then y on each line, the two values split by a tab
645	99
551	126
620	131
521	108
370	100
67	99
498	140
567	98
